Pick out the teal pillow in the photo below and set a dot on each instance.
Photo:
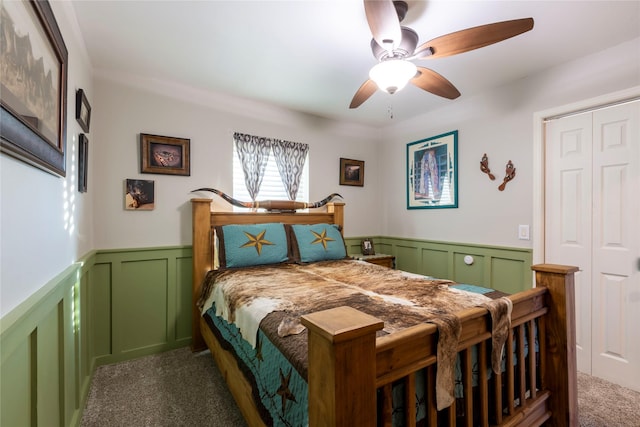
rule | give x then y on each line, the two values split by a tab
251	244
317	242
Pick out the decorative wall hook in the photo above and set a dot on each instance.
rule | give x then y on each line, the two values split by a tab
510	174
484	167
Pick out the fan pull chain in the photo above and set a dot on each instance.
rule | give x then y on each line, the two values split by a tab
390	111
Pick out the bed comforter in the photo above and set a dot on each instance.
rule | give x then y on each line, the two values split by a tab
274	297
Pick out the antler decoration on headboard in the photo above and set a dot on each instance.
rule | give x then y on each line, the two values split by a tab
272	205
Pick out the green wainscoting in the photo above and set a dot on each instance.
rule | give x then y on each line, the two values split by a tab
111	306
116	305
43	362
142	302
502	268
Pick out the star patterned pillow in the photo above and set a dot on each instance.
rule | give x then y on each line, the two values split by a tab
317	242
251	244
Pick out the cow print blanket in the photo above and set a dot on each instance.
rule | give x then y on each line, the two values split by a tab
274	297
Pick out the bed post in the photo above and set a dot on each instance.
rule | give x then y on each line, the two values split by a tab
342	367
337	209
560	374
202	262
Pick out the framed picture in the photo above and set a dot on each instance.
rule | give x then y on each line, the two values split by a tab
351	172
34	86
164	155
432	172
83	110
139	195
367	247
83	162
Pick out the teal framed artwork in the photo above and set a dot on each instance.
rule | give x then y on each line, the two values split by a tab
432	172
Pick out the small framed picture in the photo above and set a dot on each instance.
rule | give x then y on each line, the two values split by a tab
351	172
83	110
165	155
83	162
367	247
139	195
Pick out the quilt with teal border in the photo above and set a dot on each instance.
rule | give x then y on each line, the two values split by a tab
280	391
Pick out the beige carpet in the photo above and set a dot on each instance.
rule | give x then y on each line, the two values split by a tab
179	388
175	388
601	403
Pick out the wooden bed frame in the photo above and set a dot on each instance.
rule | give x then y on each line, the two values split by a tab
349	368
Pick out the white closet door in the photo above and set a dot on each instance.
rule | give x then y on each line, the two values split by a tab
592	220
568	201
616	245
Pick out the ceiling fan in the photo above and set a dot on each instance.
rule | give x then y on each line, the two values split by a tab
394	47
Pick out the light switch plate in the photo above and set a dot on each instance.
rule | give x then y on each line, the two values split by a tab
523	232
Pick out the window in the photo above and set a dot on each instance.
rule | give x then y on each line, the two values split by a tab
272	187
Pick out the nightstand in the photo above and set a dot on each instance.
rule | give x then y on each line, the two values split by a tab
379	259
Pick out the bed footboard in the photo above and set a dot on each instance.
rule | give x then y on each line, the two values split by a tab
351	373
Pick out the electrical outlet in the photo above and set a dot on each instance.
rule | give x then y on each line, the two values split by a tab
523	232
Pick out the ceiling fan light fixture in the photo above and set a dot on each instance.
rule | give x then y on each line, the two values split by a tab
393	74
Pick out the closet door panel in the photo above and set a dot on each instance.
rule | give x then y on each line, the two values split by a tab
616	244
568	204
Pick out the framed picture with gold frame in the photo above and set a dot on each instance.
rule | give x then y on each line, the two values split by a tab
165	155
351	172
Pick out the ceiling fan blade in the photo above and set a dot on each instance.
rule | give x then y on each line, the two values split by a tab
383	22
367	89
472	38
433	82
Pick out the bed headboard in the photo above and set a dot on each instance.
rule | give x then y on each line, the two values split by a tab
204	222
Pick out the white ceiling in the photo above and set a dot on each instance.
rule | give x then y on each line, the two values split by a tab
312	56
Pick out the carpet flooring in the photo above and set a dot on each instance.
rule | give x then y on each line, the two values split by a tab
179	388
175	388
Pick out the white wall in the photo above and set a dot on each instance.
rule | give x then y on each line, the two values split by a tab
45	223
499	123
126	107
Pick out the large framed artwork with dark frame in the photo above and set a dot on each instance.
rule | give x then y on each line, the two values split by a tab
33	75
432	172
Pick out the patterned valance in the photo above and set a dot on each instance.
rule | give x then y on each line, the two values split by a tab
253	152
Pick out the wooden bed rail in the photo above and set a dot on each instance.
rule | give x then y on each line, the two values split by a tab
347	364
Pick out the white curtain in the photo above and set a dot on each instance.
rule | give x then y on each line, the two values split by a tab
253	152
290	158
